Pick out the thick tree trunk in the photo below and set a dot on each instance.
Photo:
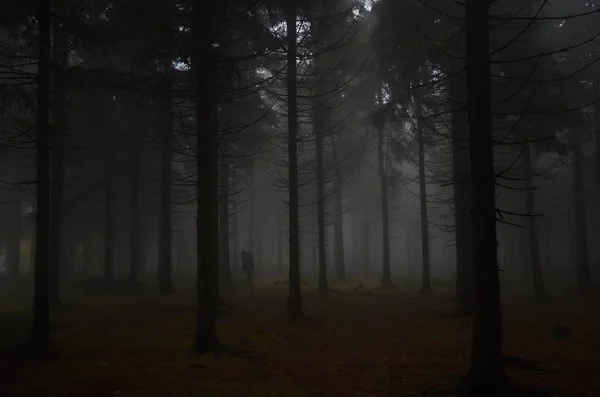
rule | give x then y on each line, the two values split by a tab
207	222
539	287
40	335
583	262
134	227
59	124
294	299
386	278
462	198
425	265
224	177
486	375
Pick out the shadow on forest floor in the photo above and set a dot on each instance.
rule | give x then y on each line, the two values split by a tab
387	343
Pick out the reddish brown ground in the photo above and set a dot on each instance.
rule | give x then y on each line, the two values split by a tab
354	344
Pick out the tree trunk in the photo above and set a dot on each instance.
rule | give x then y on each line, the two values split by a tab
59	124
236	239
33	241
319	125
338	221
462	198
524	255
386	279
583	262
225	263
87	250
486	375
165	254
366	240
207	222
109	239
294	299
13	235
597	131
409	249
134	226
539	287
258	234
425	265
315	252
280	231
355	235
40	335
250	209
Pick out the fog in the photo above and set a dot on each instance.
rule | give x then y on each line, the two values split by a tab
383	182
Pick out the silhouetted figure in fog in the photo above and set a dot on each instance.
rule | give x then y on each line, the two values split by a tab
248	266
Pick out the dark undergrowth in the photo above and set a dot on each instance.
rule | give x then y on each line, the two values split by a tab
359	341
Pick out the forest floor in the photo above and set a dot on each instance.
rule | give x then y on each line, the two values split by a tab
363	342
